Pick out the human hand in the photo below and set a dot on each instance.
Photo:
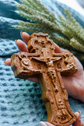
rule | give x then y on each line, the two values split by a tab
73	84
78	122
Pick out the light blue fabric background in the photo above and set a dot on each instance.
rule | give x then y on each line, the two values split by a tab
20	100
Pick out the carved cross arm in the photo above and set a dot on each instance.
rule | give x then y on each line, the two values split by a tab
67	64
23	66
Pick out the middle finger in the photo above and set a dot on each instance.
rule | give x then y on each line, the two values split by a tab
21	45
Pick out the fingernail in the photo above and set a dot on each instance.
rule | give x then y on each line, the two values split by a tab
5	62
16	41
42	124
80	114
21	33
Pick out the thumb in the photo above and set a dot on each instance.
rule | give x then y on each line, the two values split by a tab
45	124
78	122
48	124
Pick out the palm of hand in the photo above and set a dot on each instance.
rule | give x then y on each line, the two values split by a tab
74	84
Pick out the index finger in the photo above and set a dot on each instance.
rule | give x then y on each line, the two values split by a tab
25	36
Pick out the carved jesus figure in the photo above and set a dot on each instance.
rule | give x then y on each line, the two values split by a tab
48	66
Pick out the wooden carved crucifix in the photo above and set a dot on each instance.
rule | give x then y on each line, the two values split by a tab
48	66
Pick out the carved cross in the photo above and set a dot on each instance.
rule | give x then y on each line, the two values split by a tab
48	66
